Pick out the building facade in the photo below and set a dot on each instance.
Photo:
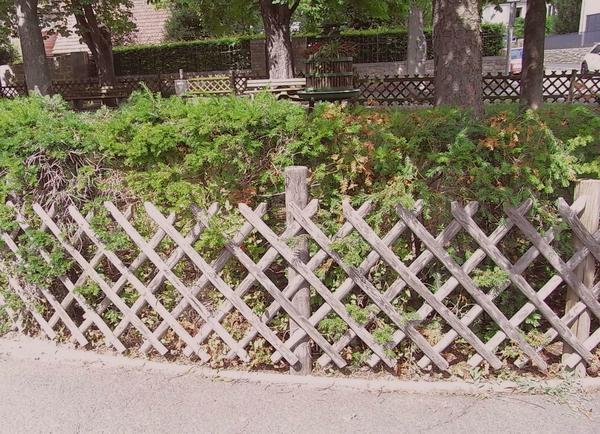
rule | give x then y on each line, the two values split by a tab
500	14
590	17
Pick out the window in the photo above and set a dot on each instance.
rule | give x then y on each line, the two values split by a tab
596	49
519	12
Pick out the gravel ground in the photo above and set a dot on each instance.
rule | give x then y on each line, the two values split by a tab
49	388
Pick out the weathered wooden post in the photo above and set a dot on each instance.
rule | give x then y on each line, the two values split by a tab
296	192
181	85
586	271
572	83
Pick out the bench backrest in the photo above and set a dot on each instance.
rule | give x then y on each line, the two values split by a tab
281	82
92	89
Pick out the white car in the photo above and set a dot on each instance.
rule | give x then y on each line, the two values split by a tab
591	61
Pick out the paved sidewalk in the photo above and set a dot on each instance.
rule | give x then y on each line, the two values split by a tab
44	388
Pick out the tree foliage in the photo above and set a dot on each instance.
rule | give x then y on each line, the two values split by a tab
194	19
203	18
567	16
8	52
355	14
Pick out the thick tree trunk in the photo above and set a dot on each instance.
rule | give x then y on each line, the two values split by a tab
276	19
532	75
457	54
98	39
37	72
417	44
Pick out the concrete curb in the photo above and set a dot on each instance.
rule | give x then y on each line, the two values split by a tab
29	349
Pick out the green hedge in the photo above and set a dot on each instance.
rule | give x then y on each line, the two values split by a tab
390	44
202	55
373	45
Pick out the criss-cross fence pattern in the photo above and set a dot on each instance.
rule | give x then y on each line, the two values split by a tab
563	86
13	90
171	310
126	85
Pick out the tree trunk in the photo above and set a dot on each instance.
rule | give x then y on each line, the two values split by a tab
532	75
417	44
37	72
276	19
97	37
457	54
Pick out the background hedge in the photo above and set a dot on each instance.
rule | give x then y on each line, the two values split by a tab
390	45
381	45
191	56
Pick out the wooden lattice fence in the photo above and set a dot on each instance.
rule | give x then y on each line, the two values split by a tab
195	316
563	86
158	83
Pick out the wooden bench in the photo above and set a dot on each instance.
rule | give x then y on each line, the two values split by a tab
212	85
283	88
77	94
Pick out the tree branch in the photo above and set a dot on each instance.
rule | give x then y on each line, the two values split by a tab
294	6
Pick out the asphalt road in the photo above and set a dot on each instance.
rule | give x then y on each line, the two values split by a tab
42	392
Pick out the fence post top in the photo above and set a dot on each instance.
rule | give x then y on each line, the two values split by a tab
594	182
296	169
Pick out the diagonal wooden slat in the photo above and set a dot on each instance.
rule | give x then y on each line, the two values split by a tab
168	273
397	286
64	316
15	286
315	282
165	270
89	312
316	261
474	260
12	315
527	309
593	340
590	343
68	300
303	322
122	280
344	289
451	284
256	271
413	281
467	283
219	283
554	259
159	278
21	293
519	281
368	288
218	264
93	274
578	229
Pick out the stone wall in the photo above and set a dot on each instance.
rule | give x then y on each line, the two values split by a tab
73	66
566	55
